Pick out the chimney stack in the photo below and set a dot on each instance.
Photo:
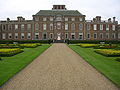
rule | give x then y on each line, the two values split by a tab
8	19
113	19
94	19
98	18
109	20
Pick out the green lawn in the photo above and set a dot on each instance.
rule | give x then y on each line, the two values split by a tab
106	65
9	66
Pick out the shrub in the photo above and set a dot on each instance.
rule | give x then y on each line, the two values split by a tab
10	52
0	59
87	45
108	52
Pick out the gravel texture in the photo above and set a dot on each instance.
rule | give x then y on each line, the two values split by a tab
59	68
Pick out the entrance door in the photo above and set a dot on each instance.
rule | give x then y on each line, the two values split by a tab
58	36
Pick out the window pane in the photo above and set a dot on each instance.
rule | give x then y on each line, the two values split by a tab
80	26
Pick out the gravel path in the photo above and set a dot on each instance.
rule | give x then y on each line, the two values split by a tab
59	68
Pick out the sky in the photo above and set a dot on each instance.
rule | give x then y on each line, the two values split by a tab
91	8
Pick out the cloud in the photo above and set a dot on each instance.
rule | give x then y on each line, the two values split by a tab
90	8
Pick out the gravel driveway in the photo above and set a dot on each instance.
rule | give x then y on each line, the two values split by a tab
59	68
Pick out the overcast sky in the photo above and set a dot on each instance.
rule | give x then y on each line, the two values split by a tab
91	8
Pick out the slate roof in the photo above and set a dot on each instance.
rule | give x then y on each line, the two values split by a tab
58	12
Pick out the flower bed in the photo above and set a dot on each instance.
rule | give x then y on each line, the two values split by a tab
29	45
108	52
87	45
10	52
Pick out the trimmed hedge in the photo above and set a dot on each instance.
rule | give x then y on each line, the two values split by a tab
108	52
29	45
24	41
106	46
87	45
9	46
10	52
93	41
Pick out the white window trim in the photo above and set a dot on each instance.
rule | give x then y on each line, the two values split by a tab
81	26
108	35
66	26
96	35
79	36
16	34
113	27
101	26
51	25
95	26
10	34
88	27
72	26
3	36
22	35
87	35
102	35
113	34
28	34
107	27
16	26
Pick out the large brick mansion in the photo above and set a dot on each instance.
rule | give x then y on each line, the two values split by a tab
59	24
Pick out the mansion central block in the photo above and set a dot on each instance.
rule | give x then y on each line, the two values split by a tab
59	24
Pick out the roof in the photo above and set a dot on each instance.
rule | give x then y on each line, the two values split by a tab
58	12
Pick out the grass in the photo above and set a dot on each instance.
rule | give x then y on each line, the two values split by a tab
9	66
106	65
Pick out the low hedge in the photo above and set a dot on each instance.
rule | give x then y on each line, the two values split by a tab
108	52
93	41
106	46
29	45
8	46
87	45
10	52
24	41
